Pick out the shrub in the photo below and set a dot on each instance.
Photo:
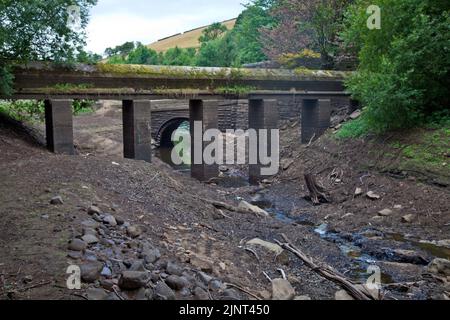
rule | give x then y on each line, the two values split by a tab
403	72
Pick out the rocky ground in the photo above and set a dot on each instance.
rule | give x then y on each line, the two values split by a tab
145	231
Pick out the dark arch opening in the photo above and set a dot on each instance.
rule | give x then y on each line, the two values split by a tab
166	131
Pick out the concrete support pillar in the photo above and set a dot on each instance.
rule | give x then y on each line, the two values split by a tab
137	139
316	118
206	112
262	114
59	126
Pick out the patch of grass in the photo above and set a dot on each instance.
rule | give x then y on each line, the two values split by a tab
33	111
23	110
431	152
353	129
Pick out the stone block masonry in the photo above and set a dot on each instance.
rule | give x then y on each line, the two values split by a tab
59	126
137	140
206	112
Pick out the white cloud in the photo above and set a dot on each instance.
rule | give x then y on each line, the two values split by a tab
114	22
114	29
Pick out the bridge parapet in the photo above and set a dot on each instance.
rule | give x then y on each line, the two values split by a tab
106	80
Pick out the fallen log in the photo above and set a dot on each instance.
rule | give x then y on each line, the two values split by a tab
226	206
327	272
316	192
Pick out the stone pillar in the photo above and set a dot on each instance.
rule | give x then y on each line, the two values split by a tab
137	138
59	126
262	114
316	118
206	112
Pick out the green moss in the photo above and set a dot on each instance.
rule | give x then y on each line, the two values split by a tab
237	90
69	87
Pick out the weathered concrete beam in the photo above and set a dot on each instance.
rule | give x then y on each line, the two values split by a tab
137	141
316	118
204	111
59	126
160	79
262	114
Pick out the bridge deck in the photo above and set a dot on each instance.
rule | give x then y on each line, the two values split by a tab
119	82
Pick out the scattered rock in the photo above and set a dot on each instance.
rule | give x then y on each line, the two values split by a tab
134	231
77	245
355	115
120	221
398	207
92	210
176	282
206	279
75	255
286	163
406	256
107	284
27	279
174	269
302	298
90	271
443	243
90	223
200	294
45	216
260	201
282	290
231	294
133	280
255	209
89	231
273	247
440	266
96	294
385	212
201	262
342	295
163	291
57	200
408	218
372	195
110	220
138	265
89	239
106	272
150	255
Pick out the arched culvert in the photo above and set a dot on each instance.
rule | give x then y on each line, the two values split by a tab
164	137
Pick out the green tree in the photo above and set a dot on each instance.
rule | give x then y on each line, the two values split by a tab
39	30
122	50
179	57
142	55
403	75
88	57
213	32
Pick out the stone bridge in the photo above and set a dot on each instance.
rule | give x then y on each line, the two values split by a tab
219	97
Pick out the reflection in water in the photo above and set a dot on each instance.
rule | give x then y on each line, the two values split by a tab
180	136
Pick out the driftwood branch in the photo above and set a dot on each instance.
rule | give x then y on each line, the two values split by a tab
226	206
316	192
327	272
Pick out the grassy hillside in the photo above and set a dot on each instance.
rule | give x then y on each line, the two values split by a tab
188	39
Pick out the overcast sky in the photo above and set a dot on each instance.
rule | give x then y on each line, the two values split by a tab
114	22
